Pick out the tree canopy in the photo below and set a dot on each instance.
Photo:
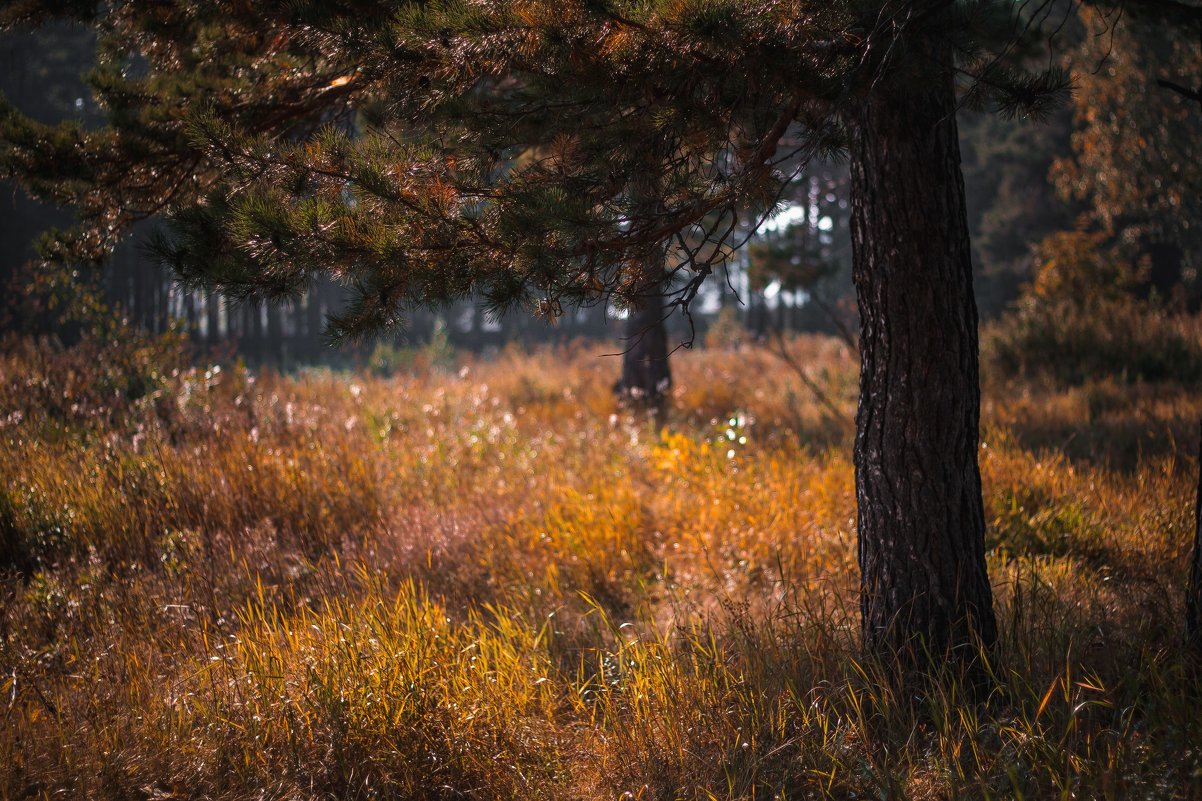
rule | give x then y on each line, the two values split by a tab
421	153
1135	159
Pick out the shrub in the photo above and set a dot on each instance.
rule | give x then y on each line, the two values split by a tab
1079	320
389	359
1121	338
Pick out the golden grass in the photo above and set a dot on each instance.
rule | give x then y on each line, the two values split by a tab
493	583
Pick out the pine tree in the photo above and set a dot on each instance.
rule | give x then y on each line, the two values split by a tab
811	255
1144	197
646	374
545	153
1011	204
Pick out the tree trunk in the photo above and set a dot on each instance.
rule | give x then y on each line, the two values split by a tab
273	348
247	344
212	319
313	322
924	589
646	376
1193	595
189	301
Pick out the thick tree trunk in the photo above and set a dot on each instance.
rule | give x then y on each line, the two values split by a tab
924	589
646	376
1193	595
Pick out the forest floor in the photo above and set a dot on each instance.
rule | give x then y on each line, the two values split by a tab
491	582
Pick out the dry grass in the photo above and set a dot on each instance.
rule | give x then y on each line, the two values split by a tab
495	584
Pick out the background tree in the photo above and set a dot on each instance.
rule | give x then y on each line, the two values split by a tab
807	261
43	76
1135	160
1011	205
646	375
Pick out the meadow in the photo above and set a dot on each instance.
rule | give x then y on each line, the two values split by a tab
489	581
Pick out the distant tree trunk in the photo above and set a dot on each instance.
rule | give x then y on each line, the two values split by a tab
137	305
762	319
189	301
247	344
646	375
159	304
274	336
1193	595
259	330
599	320
924	589
212	318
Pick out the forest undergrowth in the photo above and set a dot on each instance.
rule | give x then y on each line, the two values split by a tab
493	582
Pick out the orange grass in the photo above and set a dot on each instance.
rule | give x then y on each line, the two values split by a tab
493	583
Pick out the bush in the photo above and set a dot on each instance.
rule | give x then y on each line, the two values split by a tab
1123	339
389	359
1079	320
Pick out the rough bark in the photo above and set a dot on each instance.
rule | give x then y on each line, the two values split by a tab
646	374
1193	596
924	588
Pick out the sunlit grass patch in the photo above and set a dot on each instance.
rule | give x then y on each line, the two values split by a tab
387	695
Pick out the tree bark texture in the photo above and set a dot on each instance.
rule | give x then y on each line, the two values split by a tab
924	588
646	374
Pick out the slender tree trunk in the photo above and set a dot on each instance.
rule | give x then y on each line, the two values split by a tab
273	336
646	375
924	589
1193	595
247	343
212	318
313	321
259	329
137	306
189	299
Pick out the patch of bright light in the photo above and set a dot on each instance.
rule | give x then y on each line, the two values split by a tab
783	218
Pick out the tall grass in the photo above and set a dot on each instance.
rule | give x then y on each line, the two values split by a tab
494	583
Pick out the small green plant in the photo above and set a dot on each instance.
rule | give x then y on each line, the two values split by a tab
389	358
439	353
